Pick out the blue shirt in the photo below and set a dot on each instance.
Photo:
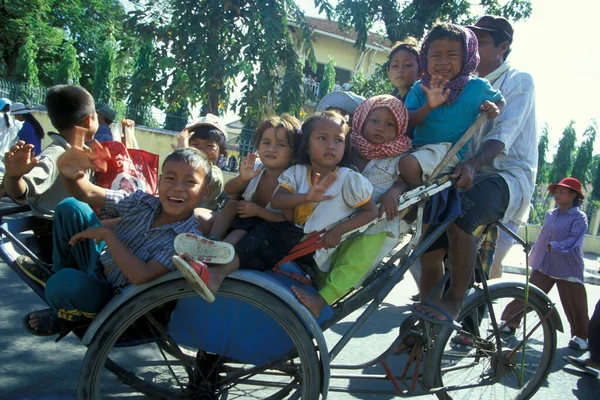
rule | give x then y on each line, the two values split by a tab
138	210
449	123
103	134
28	135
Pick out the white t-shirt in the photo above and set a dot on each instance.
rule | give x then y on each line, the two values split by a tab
516	127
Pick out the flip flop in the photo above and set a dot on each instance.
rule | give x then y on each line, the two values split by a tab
580	364
197	275
203	249
449	321
51	324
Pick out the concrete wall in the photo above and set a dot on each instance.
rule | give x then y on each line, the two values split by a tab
156	141
345	54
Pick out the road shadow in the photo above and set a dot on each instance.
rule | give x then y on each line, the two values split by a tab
387	318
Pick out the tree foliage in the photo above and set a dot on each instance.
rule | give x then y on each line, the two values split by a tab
328	80
377	83
26	70
103	84
85	23
563	161
583	160
543	166
210	45
68	71
143	85
415	17
596	178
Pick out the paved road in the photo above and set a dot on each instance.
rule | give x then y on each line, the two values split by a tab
39	369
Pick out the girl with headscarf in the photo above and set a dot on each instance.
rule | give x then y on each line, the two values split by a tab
379	141
446	101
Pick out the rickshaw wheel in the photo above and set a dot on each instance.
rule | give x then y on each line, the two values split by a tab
140	347
519	370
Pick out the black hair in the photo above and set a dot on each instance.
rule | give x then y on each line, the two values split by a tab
210	133
301	154
446	31
68	105
5	110
39	131
290	125
192	157
410	46
498	38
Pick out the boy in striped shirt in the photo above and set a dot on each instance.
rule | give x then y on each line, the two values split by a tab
91	261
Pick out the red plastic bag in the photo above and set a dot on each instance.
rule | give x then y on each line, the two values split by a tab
129	169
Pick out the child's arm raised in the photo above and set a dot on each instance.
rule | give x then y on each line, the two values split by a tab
183	140
437	93
73	165
236	185
136	270
367	214
283	199
18	162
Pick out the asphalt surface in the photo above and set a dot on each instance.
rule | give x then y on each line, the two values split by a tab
39	369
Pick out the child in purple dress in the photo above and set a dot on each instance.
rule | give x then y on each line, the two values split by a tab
557	258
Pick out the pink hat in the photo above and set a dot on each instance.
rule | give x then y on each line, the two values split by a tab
210	120
571	183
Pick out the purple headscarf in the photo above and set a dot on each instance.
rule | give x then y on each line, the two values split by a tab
470	62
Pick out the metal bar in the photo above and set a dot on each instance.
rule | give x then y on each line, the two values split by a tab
395	278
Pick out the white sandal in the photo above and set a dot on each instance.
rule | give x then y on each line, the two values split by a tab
197	276
203	249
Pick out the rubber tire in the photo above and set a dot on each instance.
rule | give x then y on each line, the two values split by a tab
539	306
94	360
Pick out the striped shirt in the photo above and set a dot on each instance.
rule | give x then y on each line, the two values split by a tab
565	233
137	211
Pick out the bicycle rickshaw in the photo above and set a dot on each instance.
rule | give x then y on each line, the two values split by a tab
256	340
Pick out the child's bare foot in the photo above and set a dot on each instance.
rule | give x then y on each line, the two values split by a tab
314	302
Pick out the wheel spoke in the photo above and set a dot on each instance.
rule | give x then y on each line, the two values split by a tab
152	355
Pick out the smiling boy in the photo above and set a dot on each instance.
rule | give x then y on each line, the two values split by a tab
91	261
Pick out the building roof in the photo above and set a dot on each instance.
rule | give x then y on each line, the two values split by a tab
331	27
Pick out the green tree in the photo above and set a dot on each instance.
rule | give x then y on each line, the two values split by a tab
596	178
26	70
563	161
214	43
142	87
377	83
90	23
68	71
542	172
103	84
86	22
583	160
415	17
293	81
328	80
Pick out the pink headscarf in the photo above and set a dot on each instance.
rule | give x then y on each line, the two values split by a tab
401	144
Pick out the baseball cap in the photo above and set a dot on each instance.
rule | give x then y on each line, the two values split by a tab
107	113
494	24
347	101
18	109
208	120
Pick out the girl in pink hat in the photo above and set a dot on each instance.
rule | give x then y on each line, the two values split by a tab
557	258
